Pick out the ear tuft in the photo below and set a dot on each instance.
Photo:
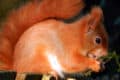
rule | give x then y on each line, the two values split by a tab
96	16
91	20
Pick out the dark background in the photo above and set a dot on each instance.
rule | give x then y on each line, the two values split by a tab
111	11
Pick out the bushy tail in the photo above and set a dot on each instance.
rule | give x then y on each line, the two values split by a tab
24	17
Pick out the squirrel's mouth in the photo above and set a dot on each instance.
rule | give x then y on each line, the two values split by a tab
98	58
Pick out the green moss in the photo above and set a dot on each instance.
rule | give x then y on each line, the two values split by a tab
113	56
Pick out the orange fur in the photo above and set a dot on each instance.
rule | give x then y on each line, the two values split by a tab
31	33
35	11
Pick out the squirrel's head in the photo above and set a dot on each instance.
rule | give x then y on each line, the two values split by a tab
94	42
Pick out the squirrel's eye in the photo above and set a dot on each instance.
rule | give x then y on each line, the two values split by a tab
98	40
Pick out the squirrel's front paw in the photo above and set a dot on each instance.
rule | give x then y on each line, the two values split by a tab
95	66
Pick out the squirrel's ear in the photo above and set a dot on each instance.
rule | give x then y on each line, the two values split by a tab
91	20
95	18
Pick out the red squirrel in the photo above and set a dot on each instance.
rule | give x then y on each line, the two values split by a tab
33	39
